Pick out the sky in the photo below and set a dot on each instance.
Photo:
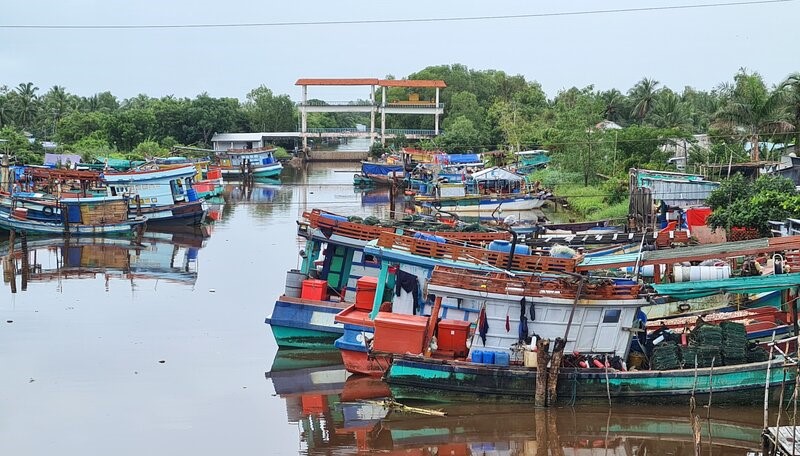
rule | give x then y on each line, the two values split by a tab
699	47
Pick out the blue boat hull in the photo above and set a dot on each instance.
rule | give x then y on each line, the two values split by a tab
307	324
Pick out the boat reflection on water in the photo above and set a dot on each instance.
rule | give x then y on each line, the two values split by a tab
263	190
337	414
170	257
328	406
371	196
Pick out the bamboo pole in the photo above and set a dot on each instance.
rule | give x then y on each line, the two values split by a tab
542	357
437	305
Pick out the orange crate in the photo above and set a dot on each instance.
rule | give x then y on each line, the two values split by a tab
395	333
315	289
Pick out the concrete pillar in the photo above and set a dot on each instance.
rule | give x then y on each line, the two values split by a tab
436	116
304	116
372	116
383	116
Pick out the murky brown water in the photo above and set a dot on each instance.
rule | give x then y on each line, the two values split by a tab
160	348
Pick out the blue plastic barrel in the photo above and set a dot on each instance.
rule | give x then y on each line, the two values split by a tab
488	357
423	188
505	247
501	358
338	218
430	237
477	356
191	194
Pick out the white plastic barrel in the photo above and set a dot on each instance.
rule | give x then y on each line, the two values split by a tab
697	273
294	283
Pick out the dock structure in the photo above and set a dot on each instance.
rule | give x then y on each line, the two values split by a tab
415	105
781	441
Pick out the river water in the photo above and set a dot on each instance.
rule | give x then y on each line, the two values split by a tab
160	347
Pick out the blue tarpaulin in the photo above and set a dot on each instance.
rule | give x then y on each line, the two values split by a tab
461	159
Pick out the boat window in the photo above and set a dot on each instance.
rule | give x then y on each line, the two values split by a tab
370	259
113	191
611	316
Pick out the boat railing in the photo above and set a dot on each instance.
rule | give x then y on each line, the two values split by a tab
532	285
319	219
538	262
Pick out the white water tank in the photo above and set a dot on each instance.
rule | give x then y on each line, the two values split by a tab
696	273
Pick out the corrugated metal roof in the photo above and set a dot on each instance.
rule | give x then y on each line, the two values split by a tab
336	81
237	137
608	260
412	83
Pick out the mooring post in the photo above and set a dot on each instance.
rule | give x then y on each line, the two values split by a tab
542	357
555	366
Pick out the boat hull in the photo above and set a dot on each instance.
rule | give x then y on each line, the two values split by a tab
304	323
10	223
487	205
259	171
356	358
431	380
182	214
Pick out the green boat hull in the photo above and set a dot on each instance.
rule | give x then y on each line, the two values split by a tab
303	338
437	380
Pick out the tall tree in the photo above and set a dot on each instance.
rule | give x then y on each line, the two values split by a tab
791	87
613	105
267	112
669	111
25	99
643	95
755	110
56	103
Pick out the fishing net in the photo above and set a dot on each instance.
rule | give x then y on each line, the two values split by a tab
354	219
756	354
371	220
706	334
665	356
734	342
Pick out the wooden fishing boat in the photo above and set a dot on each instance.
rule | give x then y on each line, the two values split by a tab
431	379
379	173
81	217
303	322
240	163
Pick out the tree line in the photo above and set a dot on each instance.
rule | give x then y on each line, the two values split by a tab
484	110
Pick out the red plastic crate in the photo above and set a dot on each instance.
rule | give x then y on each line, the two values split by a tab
315	289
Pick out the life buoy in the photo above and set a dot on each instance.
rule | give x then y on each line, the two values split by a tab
47	210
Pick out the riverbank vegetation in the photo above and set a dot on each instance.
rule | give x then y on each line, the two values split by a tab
595	134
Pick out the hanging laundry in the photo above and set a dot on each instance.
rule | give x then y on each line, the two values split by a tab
533	311
523	328
410	284
508	323
483	325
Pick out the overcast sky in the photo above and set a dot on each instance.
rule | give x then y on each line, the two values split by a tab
695	47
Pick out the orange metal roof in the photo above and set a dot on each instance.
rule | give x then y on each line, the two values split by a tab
337	82
412	83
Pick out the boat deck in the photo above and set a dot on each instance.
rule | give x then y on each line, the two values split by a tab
782	440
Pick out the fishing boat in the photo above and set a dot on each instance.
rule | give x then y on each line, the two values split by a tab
490	191
240	163
334	258
378	173
603	327
164	195
80	217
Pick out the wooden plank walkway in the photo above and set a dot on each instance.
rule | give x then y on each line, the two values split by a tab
785	440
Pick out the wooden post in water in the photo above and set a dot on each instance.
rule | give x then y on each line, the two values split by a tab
25	266
437	304
542	357
555	365
10	257
540	416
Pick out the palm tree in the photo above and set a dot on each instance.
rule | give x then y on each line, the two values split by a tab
57	102
669	111
25	97
643	95
613	105
791	89
754	110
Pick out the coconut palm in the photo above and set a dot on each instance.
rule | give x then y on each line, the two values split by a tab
613	105
754	110
669	111
643	96
791	89
57	104
26	103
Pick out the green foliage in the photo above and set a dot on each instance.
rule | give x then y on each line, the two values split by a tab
149	149
281	154
16	141
462	136
90	148
553	177
740	203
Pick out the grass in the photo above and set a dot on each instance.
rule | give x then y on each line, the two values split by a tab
281	154
591	202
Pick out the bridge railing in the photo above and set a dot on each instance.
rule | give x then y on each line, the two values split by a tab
414	104
337	103
356	132
409	132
